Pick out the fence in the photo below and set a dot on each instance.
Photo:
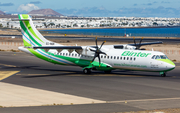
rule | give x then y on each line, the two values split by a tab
12	43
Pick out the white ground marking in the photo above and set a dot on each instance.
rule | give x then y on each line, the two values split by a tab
16	95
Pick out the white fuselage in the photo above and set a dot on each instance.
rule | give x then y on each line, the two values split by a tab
125	59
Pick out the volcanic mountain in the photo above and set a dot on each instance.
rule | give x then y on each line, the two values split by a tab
45	12
2	13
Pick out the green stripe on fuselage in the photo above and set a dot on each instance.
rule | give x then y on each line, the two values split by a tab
43	57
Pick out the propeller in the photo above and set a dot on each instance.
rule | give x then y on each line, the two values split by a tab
137	46
97	52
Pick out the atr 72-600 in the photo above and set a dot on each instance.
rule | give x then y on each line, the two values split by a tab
104	57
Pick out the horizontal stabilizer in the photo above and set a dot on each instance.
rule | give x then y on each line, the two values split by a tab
20	19
57	47
27	19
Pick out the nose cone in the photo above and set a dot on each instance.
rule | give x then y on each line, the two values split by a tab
170	64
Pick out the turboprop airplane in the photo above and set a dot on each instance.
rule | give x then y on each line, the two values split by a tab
104	58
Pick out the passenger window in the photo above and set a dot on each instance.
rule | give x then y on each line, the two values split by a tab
124	58
131	58
121	58
72	54
108	57
114	57
127	58
134	58
63	54
66	54
101	56
75	55
111	57
104	56
117	57
153	56
157	57
60	53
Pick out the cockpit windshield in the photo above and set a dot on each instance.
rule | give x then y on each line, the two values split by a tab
159	57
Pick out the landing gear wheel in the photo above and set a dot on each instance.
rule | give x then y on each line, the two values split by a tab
163	75
86	71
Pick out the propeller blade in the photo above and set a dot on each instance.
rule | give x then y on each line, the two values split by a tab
103	53
141	40
97	52
102	44
93	58
96	43
140	43
92	50
99	60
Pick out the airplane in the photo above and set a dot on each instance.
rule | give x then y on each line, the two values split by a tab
93	57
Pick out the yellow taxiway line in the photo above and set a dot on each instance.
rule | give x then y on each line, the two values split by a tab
5	74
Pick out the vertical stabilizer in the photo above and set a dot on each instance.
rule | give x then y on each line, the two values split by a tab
31	36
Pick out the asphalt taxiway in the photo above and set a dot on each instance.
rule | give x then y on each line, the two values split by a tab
34	85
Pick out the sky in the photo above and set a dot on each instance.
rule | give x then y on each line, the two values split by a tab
97	8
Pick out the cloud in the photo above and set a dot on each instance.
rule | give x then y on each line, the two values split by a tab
6	4
149	4
35	2
27	8
164	2
135	5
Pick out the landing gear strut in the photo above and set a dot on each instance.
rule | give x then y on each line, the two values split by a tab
163	74
87	71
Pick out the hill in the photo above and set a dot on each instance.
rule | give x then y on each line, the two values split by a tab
2	13
45	12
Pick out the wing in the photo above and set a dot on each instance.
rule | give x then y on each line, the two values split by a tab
135	45
147	43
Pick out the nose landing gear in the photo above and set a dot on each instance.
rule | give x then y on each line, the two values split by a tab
163	74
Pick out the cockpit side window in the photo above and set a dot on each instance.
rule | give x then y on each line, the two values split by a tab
163	56
157	57
153	56
166	57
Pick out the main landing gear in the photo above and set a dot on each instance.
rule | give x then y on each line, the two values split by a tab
87	71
